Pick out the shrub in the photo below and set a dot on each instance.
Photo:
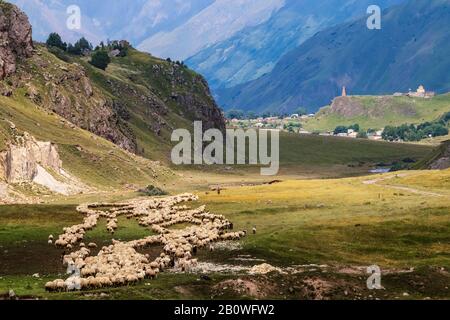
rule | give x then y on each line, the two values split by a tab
100	59
153	191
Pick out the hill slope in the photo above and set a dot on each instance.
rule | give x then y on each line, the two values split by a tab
135	103
377	112
412	48
94	160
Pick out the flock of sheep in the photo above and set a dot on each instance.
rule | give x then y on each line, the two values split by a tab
120	264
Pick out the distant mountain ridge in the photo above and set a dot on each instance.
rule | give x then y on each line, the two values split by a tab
217	22
118	19
255	50
412	48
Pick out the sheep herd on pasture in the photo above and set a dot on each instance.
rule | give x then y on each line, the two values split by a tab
120	263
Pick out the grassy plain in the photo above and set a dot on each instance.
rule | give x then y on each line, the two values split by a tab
397	221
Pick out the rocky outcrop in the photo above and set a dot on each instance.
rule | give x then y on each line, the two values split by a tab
15	38
204	109
191	94
439	159
208	113
30	161
442	159
347	107
21	160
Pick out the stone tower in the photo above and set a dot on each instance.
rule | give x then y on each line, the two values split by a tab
344	91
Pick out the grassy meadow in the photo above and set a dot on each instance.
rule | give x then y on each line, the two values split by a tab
397	221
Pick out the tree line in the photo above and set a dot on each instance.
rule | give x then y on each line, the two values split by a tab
99	55
411	132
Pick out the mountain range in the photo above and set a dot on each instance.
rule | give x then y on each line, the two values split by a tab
412	48
117	19
254	51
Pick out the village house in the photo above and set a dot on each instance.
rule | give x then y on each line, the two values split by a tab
376	136
421	93
352	133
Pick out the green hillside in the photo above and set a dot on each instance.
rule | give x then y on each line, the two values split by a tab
377	112
94	160
136	103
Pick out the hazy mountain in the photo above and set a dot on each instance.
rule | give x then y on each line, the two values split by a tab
412	48
255	50
116	19
169	28
217	22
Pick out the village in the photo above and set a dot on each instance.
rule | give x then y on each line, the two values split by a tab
294	123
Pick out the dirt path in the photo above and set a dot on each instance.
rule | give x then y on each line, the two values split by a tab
403	188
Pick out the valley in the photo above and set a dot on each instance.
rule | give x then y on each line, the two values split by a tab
93	207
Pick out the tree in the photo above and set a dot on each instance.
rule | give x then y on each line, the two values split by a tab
355	127
100	59
235	114
340	129
446	117
79	47
83	44
251	115
54	40
362	135
389	133
75	50
301	111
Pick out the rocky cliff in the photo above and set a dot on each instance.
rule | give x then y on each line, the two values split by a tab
37	163
21	160
15	38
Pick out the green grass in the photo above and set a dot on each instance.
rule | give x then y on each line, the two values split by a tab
326	151
339	221
313	156
379	112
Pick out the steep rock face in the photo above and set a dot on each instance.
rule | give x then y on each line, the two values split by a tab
15	38
21	160
211	117
191	93
206	111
